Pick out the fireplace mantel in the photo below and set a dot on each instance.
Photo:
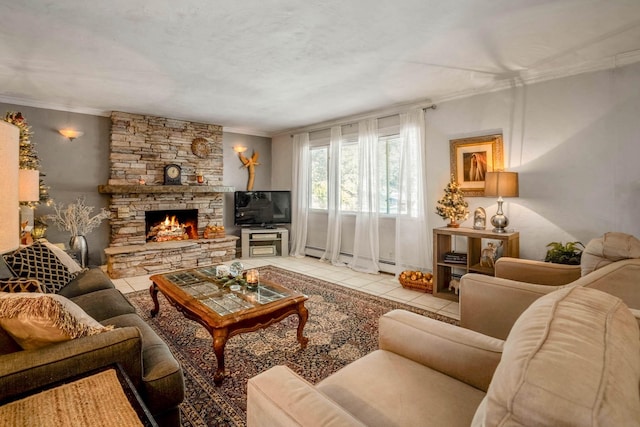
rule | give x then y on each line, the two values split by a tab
164	189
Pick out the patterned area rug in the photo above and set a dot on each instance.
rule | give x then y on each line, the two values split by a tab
342	327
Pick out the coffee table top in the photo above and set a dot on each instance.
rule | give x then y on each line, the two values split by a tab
201	286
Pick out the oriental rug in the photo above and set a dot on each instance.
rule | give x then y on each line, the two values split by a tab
342	327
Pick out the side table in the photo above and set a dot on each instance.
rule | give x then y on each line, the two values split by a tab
469	260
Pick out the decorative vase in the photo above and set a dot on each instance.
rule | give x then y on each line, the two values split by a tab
453	223
78	245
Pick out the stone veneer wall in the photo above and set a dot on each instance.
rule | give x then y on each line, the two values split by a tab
141	146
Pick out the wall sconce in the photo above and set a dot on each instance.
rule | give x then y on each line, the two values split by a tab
239	148
70	133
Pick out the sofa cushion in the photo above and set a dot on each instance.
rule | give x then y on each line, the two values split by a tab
386	389
36	320
104	304
609	248
7	344
88	281
163	383
38	262
572	358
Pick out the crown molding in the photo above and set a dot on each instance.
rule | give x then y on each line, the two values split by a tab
51	106
529	77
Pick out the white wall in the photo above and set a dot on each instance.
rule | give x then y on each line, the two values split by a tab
574	141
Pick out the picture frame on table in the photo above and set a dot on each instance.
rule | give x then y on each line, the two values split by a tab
472	158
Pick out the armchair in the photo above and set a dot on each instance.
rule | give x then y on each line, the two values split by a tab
491	305
429	373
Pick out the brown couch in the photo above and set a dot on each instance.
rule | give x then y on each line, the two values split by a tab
133	344
572	359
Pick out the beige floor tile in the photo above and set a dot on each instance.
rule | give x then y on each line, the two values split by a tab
383	285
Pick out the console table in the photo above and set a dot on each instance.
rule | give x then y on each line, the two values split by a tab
258	242
473	242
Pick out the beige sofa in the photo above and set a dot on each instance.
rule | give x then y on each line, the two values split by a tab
490	305
572	359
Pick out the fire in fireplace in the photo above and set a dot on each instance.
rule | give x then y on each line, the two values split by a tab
167	225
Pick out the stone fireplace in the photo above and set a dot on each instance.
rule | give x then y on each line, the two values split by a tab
140	148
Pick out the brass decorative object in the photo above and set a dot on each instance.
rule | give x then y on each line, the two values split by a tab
250	164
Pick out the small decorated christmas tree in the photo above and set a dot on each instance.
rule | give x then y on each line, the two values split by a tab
28	156
452	205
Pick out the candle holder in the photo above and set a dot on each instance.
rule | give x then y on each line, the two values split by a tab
253	279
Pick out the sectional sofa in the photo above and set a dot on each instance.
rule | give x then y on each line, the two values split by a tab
146	359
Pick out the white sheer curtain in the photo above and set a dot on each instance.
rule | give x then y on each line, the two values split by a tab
300	194
334	225
412	248
365	247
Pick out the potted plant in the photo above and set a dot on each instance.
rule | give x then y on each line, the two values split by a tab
568	253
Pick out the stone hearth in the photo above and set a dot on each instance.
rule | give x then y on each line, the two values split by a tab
140	148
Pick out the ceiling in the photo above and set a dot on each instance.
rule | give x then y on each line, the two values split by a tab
264	67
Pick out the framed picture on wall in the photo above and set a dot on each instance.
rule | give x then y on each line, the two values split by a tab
472	158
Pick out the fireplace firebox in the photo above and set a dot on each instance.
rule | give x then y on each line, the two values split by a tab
168	225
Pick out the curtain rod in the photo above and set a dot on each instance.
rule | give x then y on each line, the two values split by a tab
354	120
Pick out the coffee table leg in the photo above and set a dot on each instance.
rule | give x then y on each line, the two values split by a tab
303	315
219	341
153	290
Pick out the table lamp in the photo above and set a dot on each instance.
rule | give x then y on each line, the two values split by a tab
9	212
500	184
28	191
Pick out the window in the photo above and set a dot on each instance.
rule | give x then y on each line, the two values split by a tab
319	177
389	173
349	176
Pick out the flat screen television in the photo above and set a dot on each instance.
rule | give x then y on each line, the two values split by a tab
262	208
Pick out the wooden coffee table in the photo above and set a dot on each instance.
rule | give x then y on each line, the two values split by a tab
199	295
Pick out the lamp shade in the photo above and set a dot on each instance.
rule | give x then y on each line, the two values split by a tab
501	184
9	212
28	185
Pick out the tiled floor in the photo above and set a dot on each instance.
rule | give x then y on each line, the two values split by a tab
383	285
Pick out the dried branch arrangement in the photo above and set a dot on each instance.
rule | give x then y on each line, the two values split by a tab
76	217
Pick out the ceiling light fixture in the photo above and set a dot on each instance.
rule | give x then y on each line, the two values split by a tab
70	133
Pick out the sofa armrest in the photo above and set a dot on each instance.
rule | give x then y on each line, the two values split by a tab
280	397
619	278
530	271
26	370
460	353
491	305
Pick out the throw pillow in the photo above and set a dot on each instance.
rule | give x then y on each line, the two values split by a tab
38	262
20	284
36	320
64	257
